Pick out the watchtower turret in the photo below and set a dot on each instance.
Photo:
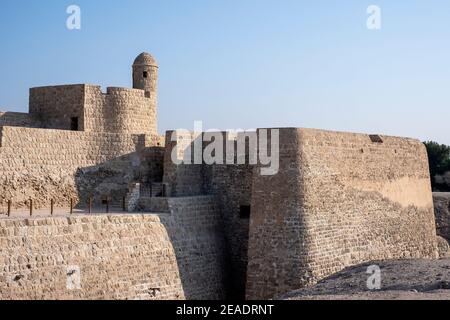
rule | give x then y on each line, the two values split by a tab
145	74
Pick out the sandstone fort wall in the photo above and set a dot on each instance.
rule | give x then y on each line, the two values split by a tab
230	184
174	256
220	230
339	199
182	179
55	106
119	110
43	164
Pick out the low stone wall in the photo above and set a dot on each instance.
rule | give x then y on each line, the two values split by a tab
173	256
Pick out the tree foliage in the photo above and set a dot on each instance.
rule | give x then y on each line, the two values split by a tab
439	159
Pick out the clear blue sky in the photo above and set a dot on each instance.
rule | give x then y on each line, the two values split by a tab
246	63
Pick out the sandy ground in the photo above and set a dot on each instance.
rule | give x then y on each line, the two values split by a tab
400	280
386	295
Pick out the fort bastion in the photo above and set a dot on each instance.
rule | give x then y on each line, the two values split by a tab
195	231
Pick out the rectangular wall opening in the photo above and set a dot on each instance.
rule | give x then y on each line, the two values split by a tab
74	124
244	212
375	138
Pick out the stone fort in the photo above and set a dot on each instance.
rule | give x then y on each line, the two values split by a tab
193	231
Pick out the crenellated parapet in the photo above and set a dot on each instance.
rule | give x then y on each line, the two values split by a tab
119	110
84	107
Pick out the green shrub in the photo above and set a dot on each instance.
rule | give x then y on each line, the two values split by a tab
439	159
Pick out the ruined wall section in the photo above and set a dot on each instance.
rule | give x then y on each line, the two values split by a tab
45	164
120	110
173	256
339	199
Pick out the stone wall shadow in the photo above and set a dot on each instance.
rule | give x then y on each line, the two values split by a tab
231	187
195	230
113	178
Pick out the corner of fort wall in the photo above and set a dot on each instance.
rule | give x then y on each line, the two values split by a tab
278	236
338	200
378	204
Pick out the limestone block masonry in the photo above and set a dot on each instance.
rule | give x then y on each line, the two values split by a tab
174	256
59	165
206	231
339	199
77	142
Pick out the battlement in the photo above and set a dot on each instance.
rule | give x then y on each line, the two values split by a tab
125	92
120	110
85	107
70	127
